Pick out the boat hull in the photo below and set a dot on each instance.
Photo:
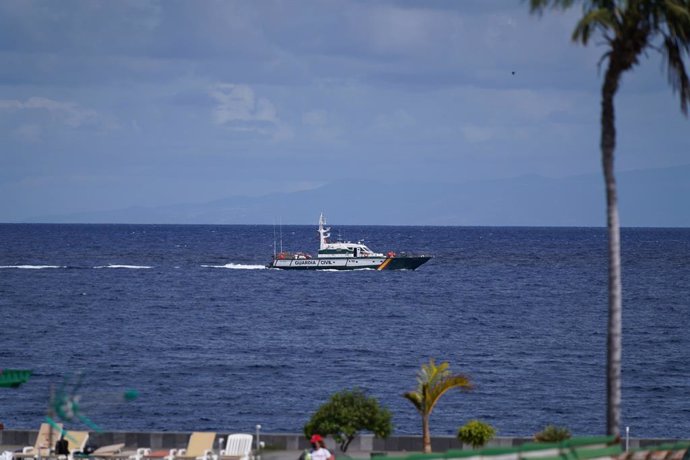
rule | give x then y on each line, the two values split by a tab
351	263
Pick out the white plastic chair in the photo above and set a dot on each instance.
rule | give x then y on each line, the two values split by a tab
238	446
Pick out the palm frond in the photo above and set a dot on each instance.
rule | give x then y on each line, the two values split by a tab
677	74
433	381
600	18
415	398
677	11
538	6
431	373
456	381
677	18
451	382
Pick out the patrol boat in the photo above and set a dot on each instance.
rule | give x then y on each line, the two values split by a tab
344	256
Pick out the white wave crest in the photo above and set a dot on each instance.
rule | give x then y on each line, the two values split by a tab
31	267
134	267
237	266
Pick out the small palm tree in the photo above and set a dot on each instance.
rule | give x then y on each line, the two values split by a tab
629	28
433	382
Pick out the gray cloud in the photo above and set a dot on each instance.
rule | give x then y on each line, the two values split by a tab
239	109
274	42
132	93
69	113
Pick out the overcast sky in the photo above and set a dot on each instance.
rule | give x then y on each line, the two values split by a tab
111	104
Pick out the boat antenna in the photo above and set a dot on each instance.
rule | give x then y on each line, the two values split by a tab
324	234
274	237
281	235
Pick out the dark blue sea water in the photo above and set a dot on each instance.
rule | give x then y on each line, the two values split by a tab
212	341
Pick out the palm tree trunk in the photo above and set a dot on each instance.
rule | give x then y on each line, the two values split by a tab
426	435
608	145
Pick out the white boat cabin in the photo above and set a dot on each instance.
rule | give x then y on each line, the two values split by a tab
346	249
340	249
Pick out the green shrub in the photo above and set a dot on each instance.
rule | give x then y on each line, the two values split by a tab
476	433
348	412
552	433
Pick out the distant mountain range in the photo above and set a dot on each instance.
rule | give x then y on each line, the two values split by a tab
647	198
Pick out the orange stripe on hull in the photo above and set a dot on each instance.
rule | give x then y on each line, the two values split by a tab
384	264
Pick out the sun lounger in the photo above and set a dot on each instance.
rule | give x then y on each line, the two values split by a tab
112	451
238	447
76	441
108	450
147	453
199	447
45	441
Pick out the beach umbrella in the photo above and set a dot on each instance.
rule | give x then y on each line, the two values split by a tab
12	378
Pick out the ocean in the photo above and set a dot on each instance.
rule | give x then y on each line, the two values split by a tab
189	317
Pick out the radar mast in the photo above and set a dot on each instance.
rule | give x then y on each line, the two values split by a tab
323	232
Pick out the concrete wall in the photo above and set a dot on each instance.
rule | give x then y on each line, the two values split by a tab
282	441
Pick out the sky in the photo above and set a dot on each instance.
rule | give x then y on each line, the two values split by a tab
107	105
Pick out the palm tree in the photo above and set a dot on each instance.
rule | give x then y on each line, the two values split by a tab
629	29
433	382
